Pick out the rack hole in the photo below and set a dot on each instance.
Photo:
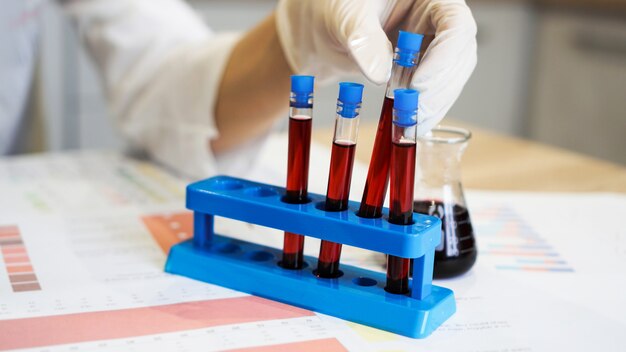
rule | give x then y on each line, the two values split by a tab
294	200
226	185
228	248
260	256
364	281
358	213
261	192
400	223
304	266
338	275
321	205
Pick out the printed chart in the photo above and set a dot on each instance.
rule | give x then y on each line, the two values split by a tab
84	237
19	269
507	241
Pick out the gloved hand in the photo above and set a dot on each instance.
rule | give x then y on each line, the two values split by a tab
327	38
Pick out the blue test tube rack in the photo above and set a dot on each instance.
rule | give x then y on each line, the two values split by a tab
358	295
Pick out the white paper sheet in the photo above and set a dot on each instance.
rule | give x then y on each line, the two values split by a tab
549	276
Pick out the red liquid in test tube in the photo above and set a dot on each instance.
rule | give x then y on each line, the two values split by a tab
298	158
342	159
378	171
404	65
402	178
400	209
300	121
340	174
297	183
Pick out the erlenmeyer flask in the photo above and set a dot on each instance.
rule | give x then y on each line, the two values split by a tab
438	192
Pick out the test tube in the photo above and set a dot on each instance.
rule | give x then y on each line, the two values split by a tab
403	137
300	121
340	175
404	65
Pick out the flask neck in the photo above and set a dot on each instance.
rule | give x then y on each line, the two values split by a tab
438	175
441	161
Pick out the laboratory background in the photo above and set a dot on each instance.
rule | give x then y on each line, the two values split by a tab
102	249
550	70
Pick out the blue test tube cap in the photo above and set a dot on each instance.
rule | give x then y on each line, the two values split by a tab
409	41
405	107
350	95
302	91
408	46
302	84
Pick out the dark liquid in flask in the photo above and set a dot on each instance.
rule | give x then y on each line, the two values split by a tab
378	171
341	161
457	252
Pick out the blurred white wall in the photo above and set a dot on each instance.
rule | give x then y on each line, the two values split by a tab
579	94
496	96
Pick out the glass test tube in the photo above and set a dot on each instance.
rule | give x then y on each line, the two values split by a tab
402	178
300	121
404	65
340	175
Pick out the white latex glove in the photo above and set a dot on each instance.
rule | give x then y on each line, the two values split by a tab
327	38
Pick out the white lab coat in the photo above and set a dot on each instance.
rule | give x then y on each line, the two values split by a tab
161	66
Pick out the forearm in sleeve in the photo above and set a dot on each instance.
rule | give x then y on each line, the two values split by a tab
162	68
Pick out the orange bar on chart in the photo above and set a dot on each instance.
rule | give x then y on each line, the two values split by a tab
17	259
168	230
19	269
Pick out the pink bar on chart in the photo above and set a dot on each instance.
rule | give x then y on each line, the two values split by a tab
17	259
8	229
326	345
125	323
26	286
27	277
13	250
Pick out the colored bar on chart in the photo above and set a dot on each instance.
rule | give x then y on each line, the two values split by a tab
326	345
125	323
513	245
168	230
16	261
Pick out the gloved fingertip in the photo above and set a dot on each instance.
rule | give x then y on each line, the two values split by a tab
428	118
380	74
373	55
427	125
